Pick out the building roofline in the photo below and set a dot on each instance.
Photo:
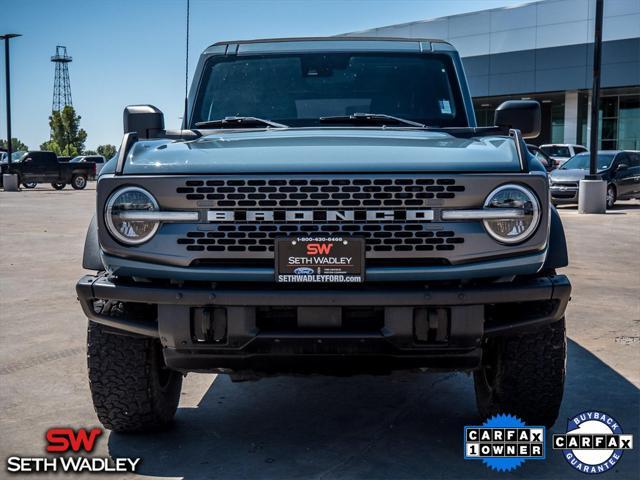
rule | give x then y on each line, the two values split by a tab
433	19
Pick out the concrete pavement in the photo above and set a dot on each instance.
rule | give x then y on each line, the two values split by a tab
399	426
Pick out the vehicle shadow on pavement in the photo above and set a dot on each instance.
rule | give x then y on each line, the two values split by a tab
404	426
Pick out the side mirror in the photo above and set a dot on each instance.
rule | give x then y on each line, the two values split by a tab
521	114
621	167
145	120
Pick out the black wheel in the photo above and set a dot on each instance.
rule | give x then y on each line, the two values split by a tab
612	196
524	375
58	186
30	185
78	182
131	387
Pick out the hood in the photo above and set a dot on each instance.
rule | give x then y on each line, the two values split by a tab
567	175
323	150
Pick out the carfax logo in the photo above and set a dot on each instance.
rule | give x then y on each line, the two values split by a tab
65	441
594	442
504	442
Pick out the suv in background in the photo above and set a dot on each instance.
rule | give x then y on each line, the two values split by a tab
561	152
620	169
545	159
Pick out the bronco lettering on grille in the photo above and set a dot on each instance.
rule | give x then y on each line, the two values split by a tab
218	216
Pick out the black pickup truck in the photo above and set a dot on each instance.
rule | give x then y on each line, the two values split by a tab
43	167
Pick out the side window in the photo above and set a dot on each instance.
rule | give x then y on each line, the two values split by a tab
579	149
620	159
634	159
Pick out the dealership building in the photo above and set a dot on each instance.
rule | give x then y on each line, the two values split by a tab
544	51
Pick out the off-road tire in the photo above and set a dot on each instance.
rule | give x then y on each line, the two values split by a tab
58	186
78	182
524	375
612	196
131	387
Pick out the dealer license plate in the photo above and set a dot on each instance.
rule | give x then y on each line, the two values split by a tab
319	259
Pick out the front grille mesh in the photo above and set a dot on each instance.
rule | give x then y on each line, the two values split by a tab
406	237
297	193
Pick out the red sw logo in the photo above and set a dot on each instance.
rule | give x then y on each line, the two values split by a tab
65	439
319	248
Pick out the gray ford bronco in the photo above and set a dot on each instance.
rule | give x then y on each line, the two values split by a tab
328	207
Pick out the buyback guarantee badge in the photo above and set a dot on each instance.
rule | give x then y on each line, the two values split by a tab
594	442
504	442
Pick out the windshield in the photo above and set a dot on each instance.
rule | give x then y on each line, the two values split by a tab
581	161
298	89
76	160
554	151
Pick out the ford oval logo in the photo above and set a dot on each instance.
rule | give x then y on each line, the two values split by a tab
303	271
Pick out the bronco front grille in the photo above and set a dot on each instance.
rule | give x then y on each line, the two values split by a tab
300	193
384	239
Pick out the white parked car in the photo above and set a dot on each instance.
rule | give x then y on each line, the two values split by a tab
99	160
561	152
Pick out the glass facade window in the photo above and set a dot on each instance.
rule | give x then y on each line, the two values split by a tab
608	123
557	123
619	122
583	118
619	117
484	116
629	122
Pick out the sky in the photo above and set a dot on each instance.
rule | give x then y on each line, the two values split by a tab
133	51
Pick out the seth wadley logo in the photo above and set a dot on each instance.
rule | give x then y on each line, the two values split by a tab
67	440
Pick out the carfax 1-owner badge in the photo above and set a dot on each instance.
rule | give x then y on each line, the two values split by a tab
594	442
504	442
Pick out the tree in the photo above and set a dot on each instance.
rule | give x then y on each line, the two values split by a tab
107	151
90	152
16	145
67	138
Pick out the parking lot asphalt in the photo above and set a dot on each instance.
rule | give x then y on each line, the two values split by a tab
405	426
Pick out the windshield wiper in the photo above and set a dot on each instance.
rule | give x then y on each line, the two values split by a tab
239	122
377	118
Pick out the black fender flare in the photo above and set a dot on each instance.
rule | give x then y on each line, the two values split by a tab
557	254
91	256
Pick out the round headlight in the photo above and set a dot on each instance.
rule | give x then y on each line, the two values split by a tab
124	215
523	217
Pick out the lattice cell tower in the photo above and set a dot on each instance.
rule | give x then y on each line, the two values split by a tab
61	86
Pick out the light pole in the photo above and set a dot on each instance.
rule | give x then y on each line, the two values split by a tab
9	182
592	194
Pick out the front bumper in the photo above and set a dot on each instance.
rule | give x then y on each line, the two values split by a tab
517	265
280	330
